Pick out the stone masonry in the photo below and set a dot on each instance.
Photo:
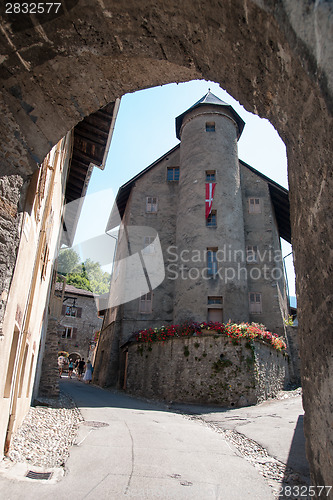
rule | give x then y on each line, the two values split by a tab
206	370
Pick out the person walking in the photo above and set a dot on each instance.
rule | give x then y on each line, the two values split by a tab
88	373
60	364
70	368
80	368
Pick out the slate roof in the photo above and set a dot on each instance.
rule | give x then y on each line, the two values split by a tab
74	290
208	100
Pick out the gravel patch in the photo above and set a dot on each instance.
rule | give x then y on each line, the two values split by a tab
46	434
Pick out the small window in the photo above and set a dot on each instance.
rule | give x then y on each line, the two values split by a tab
151	204
148	245
211	261
173	174
146	302
251	253
254	206
217	300
210	126
70	311
45	260
67	332
211	219
210	175
255	303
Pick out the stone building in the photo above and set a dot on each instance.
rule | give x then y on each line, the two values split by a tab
218	223
78	323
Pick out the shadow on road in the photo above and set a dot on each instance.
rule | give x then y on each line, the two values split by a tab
297	460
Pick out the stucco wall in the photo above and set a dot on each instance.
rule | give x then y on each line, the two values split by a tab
29	287
206	369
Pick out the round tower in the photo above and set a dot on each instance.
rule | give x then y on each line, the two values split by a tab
210	227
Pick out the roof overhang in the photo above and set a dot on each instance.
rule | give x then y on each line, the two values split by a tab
91	141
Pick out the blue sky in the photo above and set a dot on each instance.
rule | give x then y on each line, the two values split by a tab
145	130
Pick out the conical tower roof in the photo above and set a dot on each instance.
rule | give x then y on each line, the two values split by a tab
208	100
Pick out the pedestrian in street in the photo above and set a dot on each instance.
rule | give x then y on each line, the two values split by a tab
70	368
76	364
88	373
80	368
60	365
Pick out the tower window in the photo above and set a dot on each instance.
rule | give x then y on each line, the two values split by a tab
151	204
216	300
251	253
211	219
173	174
255	304
210	175
210	126
254	206
148	245
211	261
146	303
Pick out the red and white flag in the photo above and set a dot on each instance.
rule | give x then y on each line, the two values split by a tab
210	188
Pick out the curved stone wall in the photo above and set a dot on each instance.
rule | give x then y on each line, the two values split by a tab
210	369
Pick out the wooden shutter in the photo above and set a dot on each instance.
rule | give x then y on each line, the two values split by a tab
74	333
79	312
63	310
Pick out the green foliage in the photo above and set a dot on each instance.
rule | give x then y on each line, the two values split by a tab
289	321
68	260
88	275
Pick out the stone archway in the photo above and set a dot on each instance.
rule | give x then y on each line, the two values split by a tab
273	56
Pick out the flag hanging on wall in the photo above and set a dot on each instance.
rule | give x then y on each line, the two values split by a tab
210	188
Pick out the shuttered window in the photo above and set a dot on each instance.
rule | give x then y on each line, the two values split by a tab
146	303
255	304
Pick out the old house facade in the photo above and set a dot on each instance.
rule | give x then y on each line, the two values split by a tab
217	222
79	322
26	304
47	218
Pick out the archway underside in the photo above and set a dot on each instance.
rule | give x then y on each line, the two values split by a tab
57	72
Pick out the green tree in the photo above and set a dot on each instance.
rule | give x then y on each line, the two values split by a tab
88	275
68	260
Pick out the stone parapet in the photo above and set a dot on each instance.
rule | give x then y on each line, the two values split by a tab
212	369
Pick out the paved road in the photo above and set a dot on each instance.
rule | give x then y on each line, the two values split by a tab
144	452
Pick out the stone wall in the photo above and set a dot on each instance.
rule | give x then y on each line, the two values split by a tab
49	384
295	358
206	370
84	327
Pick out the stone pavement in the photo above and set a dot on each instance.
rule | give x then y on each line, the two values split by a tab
130	448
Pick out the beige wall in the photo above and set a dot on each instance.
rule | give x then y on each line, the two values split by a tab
26	306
